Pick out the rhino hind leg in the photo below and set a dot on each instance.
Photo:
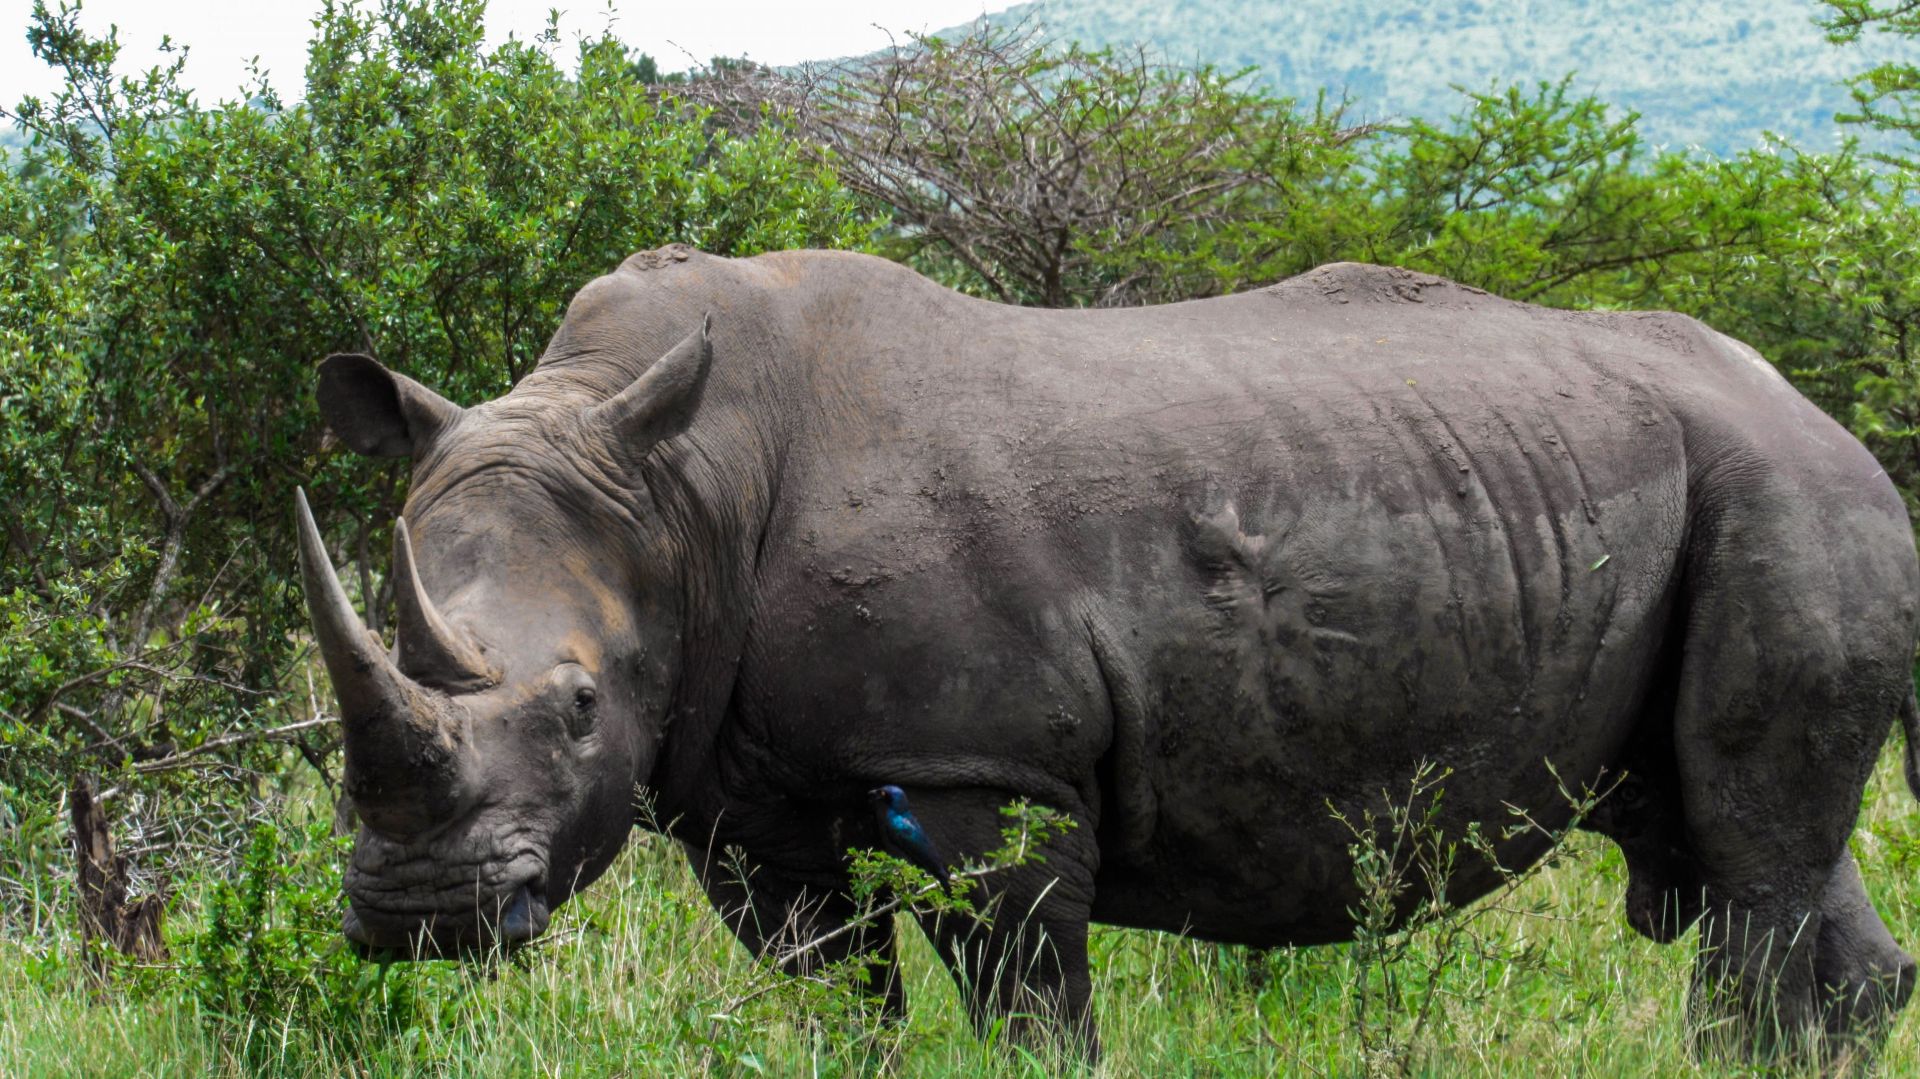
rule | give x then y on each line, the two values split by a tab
1792	675
1864	977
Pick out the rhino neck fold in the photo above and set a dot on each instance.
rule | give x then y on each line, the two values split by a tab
718	501
715	487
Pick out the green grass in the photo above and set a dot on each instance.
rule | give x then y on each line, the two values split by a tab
636	978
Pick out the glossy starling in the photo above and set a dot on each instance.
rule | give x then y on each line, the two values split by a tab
902	834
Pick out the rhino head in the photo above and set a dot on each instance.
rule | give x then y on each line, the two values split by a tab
492	753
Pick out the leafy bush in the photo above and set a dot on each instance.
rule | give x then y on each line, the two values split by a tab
169	272
271	950
1410	937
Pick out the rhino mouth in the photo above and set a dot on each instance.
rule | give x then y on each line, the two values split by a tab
501	921
402	907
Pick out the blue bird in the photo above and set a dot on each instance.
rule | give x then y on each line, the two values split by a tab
902	834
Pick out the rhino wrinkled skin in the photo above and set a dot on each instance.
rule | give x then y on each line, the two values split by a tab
759	536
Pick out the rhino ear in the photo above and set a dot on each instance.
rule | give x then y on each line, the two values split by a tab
660	403
377	412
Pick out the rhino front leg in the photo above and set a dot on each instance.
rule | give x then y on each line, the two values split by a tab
791	924
1022	965
1026	974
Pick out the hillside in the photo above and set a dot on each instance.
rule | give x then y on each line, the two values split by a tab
1712	73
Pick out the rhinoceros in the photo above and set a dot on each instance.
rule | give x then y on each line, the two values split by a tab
758	536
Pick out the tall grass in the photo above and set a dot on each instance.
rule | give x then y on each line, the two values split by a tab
636	976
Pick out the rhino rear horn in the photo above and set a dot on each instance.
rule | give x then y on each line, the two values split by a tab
660	403
428	647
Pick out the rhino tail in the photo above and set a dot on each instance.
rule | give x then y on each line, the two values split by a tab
1910	721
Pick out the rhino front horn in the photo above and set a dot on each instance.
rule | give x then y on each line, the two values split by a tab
405	750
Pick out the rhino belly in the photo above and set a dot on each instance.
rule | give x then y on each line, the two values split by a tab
1331	646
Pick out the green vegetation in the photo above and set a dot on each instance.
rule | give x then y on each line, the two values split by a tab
169	273
1886	97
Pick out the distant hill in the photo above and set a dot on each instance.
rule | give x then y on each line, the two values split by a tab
1707	73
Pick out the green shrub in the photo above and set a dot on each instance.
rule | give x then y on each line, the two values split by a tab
170	272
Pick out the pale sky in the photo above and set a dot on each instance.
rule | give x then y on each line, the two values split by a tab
222	34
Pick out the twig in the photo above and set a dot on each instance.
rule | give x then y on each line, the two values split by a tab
181	759
40	710
85	719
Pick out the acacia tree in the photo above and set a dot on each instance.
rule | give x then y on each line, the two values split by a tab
1540	195
1059	177
169	273
1807	257
1861	294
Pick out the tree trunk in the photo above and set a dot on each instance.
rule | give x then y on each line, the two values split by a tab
132	929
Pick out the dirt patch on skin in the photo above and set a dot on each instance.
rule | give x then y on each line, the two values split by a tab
1354	282
658	259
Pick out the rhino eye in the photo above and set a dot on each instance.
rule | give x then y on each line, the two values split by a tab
580	718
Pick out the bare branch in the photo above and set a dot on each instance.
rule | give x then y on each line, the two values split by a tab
177	517
185	758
